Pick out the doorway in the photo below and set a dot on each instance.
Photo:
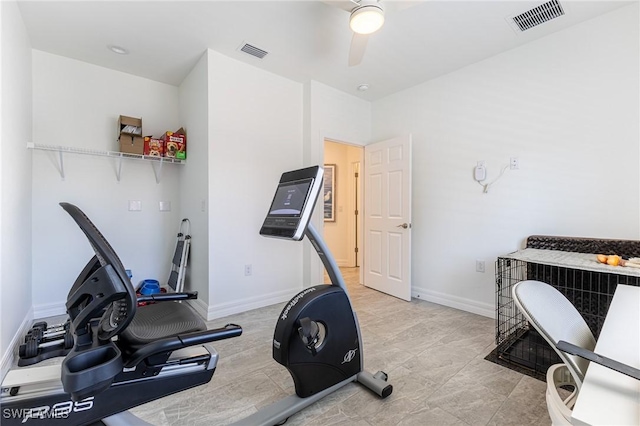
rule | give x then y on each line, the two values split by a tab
343	204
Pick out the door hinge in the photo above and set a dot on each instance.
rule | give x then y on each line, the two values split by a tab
356	212
356	250
356	174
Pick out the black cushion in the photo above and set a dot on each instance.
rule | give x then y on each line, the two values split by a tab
158	321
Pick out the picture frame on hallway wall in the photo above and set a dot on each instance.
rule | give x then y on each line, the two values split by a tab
329	192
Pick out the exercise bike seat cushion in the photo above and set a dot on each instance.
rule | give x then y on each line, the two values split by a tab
158	321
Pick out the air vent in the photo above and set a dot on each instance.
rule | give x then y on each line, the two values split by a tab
253	51
538	15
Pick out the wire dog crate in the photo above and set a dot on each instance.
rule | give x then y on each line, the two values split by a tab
589	289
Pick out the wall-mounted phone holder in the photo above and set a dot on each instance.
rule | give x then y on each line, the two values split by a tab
480	172
480	175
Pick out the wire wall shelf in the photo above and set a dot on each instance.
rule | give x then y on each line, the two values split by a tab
156	162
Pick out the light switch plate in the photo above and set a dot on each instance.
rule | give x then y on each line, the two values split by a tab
135	205
165	206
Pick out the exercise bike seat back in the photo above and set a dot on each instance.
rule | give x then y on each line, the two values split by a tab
99	309
123	356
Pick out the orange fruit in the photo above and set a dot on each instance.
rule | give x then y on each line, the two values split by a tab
613	260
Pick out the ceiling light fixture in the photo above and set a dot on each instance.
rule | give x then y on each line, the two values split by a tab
366	19
363	87
118	49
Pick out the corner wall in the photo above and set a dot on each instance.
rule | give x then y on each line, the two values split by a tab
567	106
15	175
194	180
255	129
77	104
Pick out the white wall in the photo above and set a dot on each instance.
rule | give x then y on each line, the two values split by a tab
567	107
77	104
15	175
255	128
332	115
194	181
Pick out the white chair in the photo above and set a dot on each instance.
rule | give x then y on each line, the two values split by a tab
558	375
556	319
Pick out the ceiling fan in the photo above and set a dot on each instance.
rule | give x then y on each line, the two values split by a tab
367	17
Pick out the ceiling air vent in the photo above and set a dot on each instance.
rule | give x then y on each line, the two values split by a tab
538	15
253	51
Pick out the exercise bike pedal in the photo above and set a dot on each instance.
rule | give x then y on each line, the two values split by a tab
309	332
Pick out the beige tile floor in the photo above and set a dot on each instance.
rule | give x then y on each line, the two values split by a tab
434	356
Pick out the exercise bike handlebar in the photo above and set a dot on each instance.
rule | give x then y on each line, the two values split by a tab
178	342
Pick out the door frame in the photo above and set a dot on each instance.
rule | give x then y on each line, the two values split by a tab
360	225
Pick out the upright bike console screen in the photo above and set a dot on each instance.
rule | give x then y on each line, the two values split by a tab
293	204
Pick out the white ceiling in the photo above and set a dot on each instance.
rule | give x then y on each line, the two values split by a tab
305	39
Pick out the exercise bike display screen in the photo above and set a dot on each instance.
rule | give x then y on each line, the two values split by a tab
289	199
293	204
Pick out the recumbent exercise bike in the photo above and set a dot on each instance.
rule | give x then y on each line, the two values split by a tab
160	349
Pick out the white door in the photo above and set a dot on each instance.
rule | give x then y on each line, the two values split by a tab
387	216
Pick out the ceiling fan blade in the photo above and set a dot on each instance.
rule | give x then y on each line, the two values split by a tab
398	6
358	46
345	5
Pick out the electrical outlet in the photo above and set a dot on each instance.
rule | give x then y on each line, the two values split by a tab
514	163
480	266
164	206
248	270
135	205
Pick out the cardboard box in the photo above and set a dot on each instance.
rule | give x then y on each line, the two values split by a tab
153	147
175	144
130	135
131	144
130	126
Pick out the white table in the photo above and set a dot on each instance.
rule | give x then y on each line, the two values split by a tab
608	397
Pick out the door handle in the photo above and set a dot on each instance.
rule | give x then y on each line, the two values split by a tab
403	226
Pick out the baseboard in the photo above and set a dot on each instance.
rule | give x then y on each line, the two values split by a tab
9	356
343	263
49	310
222	310
200	307
461	303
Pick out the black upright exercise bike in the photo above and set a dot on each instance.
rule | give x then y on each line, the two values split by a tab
317	336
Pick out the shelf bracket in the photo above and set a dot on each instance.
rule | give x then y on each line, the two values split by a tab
119	169
61	163
157	171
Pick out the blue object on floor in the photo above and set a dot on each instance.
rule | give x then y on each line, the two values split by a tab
150	287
